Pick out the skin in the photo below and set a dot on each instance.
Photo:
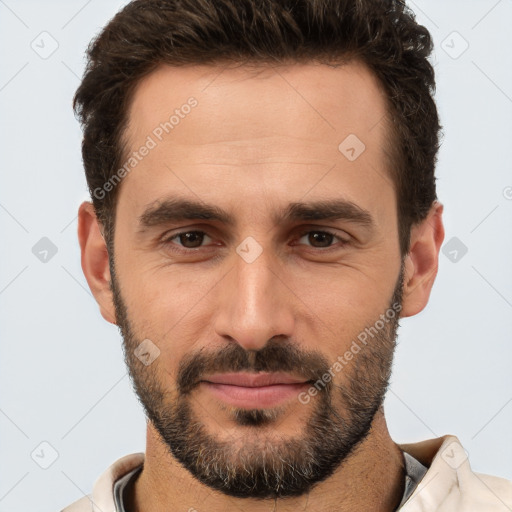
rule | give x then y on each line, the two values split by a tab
274	133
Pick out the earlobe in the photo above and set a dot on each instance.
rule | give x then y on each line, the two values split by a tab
95	262
421	262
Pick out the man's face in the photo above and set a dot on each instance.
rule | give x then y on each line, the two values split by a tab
269	285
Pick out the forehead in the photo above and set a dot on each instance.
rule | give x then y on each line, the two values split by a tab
316	98
271	125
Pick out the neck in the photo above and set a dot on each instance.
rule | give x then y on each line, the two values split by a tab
371	478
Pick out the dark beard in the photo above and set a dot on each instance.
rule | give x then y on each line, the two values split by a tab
254	466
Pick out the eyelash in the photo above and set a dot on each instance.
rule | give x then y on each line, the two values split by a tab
168	241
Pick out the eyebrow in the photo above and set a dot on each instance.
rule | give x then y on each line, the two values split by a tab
175	209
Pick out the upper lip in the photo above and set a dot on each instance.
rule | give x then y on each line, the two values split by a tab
253	380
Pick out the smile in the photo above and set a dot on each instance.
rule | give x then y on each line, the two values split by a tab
254	391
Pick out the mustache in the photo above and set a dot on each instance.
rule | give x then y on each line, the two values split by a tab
277	355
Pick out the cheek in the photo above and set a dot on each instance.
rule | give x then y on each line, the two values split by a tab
167	305
348	293
338	305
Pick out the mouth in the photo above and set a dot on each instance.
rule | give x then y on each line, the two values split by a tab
254	391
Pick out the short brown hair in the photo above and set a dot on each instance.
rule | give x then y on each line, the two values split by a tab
383	34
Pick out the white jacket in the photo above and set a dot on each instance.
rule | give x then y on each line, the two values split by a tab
448	486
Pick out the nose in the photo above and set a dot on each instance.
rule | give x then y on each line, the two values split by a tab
254	304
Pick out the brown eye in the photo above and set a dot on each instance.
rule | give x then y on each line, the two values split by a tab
191	239
320	239
188	239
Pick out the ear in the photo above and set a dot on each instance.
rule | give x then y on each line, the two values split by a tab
95	264
422	261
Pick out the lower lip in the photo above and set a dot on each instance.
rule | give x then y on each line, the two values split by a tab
255	397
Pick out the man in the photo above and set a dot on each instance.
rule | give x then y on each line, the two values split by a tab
263	213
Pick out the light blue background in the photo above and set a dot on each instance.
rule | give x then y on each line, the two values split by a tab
62	376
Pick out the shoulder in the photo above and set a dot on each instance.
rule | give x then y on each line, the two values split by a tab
102	498
450	484
501	488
